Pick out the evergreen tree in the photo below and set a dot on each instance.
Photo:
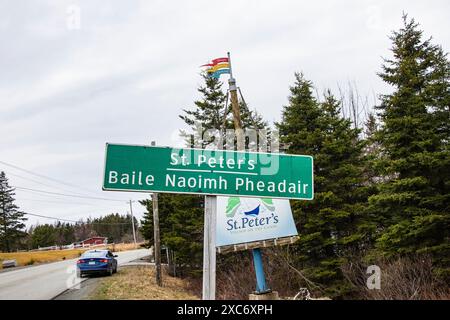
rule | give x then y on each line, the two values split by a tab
333	225
114	226
44	235
147	221
372	150
414	201
181	228
11	219
211	114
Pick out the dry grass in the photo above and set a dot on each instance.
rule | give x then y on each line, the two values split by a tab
124	246
138	283
29	258
407	278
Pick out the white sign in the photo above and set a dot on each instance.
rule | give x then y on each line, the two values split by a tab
242	220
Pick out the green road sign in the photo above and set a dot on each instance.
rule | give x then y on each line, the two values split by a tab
214	172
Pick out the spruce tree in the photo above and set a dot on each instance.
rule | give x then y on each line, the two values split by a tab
11	219
414	198
147	221
181	228
210	112
372	150
332	226
44	235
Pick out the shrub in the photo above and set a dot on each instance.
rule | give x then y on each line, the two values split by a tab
402	278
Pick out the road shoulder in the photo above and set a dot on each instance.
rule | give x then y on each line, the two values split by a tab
83	291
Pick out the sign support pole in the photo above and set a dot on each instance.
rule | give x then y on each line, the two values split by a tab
209	249
261	286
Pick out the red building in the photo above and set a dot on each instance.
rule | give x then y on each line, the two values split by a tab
94	240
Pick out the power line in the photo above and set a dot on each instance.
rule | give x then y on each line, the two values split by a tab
47	217
65	195
40	175
41	183
73	221
63	202
46	177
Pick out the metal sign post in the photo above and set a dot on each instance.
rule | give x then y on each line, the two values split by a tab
209	249
261	286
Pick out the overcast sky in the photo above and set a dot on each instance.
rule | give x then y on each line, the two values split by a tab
123	71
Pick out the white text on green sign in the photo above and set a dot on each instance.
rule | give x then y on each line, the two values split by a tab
197	171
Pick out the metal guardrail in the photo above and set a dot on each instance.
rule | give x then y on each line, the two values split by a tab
71	246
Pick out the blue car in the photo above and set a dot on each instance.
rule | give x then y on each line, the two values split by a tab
96	262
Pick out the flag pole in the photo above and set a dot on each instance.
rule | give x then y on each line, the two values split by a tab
229	62
235	108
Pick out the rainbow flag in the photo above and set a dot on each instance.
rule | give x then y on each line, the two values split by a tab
218	67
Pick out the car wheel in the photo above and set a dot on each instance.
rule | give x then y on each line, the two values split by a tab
115	270
110	272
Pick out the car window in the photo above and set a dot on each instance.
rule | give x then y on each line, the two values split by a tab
93	254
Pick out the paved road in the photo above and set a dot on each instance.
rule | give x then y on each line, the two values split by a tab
46	281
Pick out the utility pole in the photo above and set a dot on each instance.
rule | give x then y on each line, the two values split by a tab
156	236
132	223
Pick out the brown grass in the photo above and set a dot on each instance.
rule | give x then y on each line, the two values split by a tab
29	258
124	246
138	283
